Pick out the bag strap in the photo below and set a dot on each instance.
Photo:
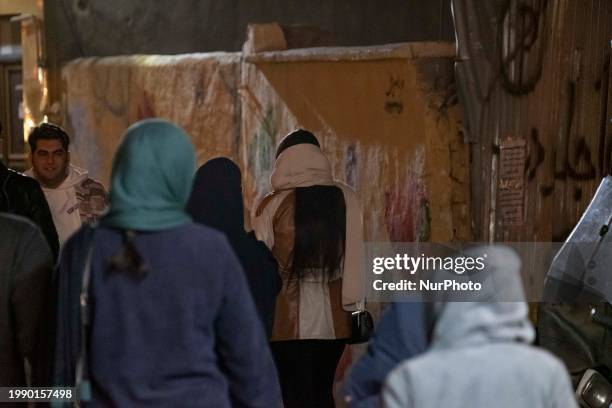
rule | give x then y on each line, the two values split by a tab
82	384
10	287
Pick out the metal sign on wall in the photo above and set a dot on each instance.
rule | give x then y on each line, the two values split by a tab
511	182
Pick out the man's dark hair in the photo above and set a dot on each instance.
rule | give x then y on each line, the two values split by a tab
48	131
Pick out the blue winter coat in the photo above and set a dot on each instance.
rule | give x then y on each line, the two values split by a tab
401	334
185	334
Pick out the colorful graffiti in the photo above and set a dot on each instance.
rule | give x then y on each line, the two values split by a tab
407	215
351	168
261	153
232	109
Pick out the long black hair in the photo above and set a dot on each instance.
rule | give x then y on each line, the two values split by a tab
319	221
128	259
320	231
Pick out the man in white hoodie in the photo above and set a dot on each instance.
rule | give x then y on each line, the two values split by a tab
73	197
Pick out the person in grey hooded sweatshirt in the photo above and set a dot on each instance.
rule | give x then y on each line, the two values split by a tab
480	355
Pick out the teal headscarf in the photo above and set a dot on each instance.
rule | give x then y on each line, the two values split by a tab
151	178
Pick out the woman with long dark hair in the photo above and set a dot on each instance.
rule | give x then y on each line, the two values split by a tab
169	318
313	225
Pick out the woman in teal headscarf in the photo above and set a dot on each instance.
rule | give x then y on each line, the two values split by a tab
151	178
166	294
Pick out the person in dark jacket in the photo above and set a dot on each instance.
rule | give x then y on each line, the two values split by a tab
172	320
402	333
25	288
216	201
21	195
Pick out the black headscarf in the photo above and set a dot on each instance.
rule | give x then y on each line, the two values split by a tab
216	198
216	201
296	137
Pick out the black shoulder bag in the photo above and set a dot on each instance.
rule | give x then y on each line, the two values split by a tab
362	325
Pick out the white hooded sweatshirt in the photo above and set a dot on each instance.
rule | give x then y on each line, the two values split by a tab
480	355
63	202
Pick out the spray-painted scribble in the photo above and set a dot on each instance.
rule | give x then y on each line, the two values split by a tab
261	153
394	102
407	213
351	168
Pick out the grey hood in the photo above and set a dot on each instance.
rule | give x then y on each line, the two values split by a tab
496	314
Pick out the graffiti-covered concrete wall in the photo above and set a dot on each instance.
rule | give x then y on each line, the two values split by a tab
197	91
386	117
383	118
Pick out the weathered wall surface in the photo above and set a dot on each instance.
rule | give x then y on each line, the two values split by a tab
198	92
35	96
538	93
96	28
86	28
385	117
382	121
